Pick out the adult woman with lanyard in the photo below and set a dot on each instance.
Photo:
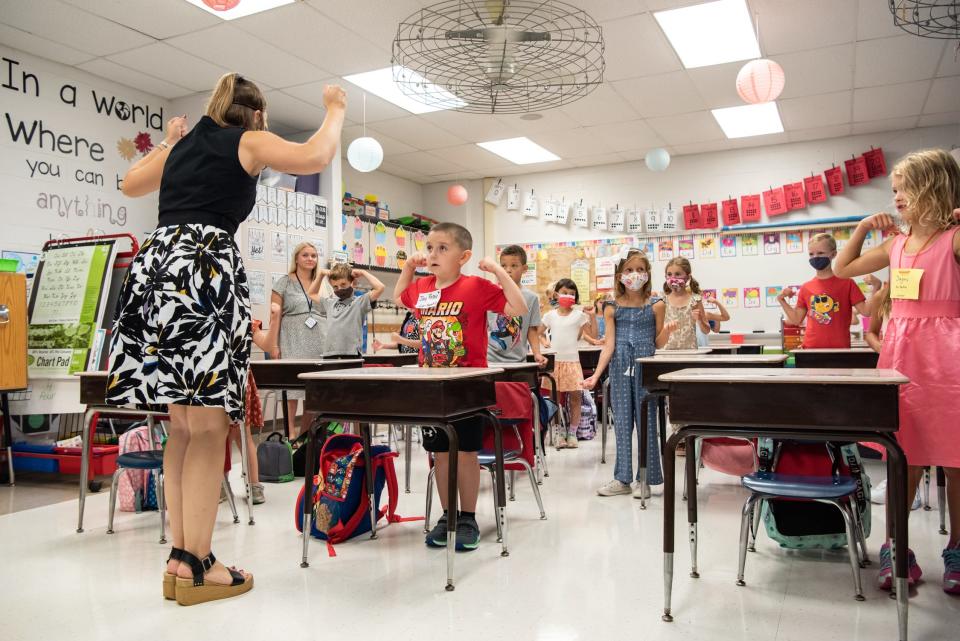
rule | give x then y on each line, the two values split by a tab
303	327
182	331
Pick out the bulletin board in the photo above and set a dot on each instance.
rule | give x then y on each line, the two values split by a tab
379	244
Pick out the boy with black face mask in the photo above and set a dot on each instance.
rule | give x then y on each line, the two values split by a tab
345	312
826	301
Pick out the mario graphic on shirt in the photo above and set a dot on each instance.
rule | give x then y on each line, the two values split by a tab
442	336
822	306
507	331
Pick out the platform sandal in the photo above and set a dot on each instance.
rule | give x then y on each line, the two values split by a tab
196	590
170	580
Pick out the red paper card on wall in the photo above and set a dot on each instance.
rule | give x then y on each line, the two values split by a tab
731	212
834	178
750	208
816	193
793	196
876	163
691	216
856	171
774	203
708	216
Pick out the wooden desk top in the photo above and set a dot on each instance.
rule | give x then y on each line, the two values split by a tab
319	362
684	352
795	376
589	348
715	358
834	350
390	358
407	373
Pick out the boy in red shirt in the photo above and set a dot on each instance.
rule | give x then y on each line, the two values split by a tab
452	311
826	301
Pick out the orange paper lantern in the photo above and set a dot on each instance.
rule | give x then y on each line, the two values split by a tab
221	5
760	81
457	195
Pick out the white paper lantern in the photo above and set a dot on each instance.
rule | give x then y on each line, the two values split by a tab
760	81
365	154
657	159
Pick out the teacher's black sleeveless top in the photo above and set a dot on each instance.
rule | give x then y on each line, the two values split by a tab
203	181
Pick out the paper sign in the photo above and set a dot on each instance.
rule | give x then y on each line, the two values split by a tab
513	199
731	212
905	283
529	277
635	221
728	246
668	219
530	206
794	196
876	163
708	216
256	243
665	249
772	292
686	247
814	189
773	202
580	274
580	215
709	295
750	208
599	219
549	210
652	218
562	214
604	283
649	248
856	171
794	242
771	244
731	296
691	216
834	178
495	195
617	217
751	297
278	247
749	245
707	246
606	265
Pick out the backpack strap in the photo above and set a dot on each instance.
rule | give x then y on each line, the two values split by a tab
850	456
393	490
765	454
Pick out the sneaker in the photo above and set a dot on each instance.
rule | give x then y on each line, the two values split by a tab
951	570
437	538
639	491
878	495
256	491
572	442
885	578
468	534
614	488
561	443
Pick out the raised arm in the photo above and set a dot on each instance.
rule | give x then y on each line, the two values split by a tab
375	283
794	315
144	176
850	263
516	306
406	274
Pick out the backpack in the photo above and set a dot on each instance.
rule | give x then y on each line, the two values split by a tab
275	459
587	429
136	489
341	507
798	524
299	446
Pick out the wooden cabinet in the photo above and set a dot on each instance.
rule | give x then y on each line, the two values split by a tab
13	331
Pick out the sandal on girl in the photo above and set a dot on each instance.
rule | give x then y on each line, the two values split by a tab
170	580
197	590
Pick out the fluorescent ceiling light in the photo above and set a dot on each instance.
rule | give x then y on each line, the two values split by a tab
749	120
710	34
519	151
381	83
243	8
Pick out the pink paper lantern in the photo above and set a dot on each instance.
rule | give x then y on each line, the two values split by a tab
760	81
457	195
221	5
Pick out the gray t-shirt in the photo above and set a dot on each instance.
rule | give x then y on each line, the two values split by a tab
345	324
507	337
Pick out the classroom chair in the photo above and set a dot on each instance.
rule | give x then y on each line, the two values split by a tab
145	460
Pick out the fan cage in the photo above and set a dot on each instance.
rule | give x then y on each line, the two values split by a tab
927	18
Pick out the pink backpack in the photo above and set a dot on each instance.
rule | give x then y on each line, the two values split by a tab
131	481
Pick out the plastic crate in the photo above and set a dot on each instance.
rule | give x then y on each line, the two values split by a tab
34	458
103	459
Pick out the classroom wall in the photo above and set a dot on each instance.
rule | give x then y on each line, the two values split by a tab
68	181
470	214
403	196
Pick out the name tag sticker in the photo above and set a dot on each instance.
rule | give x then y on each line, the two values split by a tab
311	322
905	284
428	299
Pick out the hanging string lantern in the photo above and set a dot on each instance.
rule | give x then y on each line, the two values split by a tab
457	195
760	81
657	159
365	154
221	5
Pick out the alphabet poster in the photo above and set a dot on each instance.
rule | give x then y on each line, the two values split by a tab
772	292
794	242
771	244
728	246
751	297
686	247
665	249
707	246
749	245
731	296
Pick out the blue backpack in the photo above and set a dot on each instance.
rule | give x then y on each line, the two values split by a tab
341	507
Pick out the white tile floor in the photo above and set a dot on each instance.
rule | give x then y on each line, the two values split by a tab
591	571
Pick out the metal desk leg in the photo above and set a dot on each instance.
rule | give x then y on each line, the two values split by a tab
408	452
366	430
501	484
8	437
643	429
606	422
897	482
286	413
306	518
452	499
691	470
669	500
942	499
245	470
537	444
85	445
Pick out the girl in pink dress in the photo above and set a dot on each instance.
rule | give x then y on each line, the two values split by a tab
923	335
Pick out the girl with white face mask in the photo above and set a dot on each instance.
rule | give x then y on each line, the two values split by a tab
631	330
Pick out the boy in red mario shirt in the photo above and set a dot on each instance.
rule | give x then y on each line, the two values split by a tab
452	311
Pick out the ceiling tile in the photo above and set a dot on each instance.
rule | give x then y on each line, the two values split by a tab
886	61
950	62
516	170
17	39
811	24
418	133
888	124
136	79
817	111
471	127
156	19
717	84
552	120
662	95
624	136
700	147
893	101
635	47
469	156
391	146
699	126
874	20
294	28
944	96
293	111
70	26
601	106
424	163
375	19
398	170
819	133
573	142
604	10
600	159
817	71
457	177
936	120
163	61
255	58
377	109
